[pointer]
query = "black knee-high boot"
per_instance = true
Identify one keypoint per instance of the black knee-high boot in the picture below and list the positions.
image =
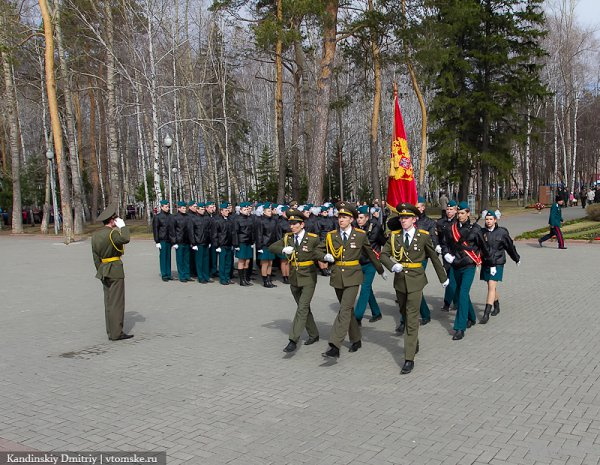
(486, 314)
(496, 308)
(248, 273)
(242, 275)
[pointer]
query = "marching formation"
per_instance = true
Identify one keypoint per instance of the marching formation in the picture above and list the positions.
(347, 244)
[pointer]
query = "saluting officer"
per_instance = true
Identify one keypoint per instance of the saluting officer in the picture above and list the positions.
(343, 248)
(404, 254)
(302, 249)
(161, 228)
(108, 245)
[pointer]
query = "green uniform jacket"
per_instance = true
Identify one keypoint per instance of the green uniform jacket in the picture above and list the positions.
(421, 248)
(342, 274)
(555, 215)
(108, 243)
(308, 251)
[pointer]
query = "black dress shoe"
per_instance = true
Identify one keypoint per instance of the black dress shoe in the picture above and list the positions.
(470, 323)
(425, 321)
(400, 328)
(562, 247)
(166, 279)
(373, 319)
(445, 308)
(540, 242)
(355, 346)
(359, 322)
(458, 335)
(333, 352)
(123, 336)
(407, 367)
(311, 340)
(290, 347)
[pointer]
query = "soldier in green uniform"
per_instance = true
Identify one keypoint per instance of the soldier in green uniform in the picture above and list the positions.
(107, 247)
(343, 248)
(301, 249)
(404, 254)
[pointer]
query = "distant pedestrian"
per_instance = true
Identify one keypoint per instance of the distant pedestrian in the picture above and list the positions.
(443, 203)
(555, 221)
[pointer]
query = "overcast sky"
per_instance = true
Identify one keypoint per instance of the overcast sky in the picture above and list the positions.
(588, 12)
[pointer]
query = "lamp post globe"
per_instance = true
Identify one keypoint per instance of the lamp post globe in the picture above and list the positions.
(50, 154)
(168, 141)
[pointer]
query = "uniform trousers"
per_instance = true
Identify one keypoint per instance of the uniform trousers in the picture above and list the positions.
(424, 310)
(114, 306)
(554, 231)
(409, 309)
(450, 293)
(304, 317)
(164, 257)
(225, 264)
(366, 295)
(212, 260)
(345, 323)
(464, 278)
(202, 264)
(182, 257)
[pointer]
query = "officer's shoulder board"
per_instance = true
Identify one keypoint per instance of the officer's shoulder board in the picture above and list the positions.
(360, 230)
(424, 232)
(311, 234)
(288, 234)
(332, 232)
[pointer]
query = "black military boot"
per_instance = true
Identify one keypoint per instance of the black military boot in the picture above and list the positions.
(242, 277)
(248, 276)
(496, 308)
(271, 282)
(286, 280)
(486, 314)
(266, 282)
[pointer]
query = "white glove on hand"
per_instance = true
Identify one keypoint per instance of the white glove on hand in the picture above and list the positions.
(385, 276)
(519, 263)
(195, 247)
(158, 246)
(397, 268)
(119, 223)
(449, 258)
(438, 248)
(328, 258)
(493, 271)
(288, 250)
(175, 246)
(218, 249)
(445, 283)
(260, 251)
(237, 249)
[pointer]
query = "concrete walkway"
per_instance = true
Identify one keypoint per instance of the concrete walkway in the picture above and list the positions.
(206, 380)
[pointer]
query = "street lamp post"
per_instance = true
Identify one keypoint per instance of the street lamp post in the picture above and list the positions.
(50, 157)
(167, 143)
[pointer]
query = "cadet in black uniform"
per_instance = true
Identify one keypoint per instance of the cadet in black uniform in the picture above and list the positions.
(243, 242)
(267, 233)
(161, 229)
(223, 230)
(181, 231)
(201, 237)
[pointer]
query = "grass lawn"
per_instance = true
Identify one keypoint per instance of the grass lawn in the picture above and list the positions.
(582, 229)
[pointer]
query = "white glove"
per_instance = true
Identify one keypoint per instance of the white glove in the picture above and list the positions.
(218, 249)
(260, 251)
(251, 246)
(288, 250)
(119, 223)
(385, 276)
(328, 258)
(237, 248)
(438, 249)
(158, 246)
(493, 271)
(445, 283)
(195, 247)
(397, 268)
(449, 258)
(175, 246)
(519, 263)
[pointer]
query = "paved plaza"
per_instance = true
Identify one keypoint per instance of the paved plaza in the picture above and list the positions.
(206, 380)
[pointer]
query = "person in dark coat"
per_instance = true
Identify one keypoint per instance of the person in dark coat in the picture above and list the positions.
(555, 220)
(201, 237)
(161, 229)
(444, 226)
(223, 230)
(181, 231)
(268, 232)
(243, 242)
(499, 243)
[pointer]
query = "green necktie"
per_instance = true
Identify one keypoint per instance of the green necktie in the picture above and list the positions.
(406, 242)
(344, 237)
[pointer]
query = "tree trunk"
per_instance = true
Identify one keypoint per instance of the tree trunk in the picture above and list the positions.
(93, 155)
(295, 147)
(73, 152)
(316, 167)
(376, 110)
(279, 107)
(63, 178)
(13, 131)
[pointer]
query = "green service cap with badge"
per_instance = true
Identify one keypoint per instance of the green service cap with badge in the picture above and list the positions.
(209, 203)
(191, 203)
(363, 210)
(294, 214)
(224, 205)
(108, 212)
(407, 209)
(164, 202)
(346, 208)
(421, 199)
(181, 203)
(452, 203)
(463, 205)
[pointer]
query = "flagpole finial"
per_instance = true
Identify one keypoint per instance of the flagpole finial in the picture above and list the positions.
(395, 89)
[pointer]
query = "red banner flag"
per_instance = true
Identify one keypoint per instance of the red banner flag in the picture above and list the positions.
(401, 180)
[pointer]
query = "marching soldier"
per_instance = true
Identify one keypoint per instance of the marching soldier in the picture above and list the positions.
(343, 248)
(444, 225)
(108, 245)
(377, 239)
(404, 254)
(302, 249)
(181, 233)
(161, 228)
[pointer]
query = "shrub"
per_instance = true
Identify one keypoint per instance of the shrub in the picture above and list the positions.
(593, 211)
